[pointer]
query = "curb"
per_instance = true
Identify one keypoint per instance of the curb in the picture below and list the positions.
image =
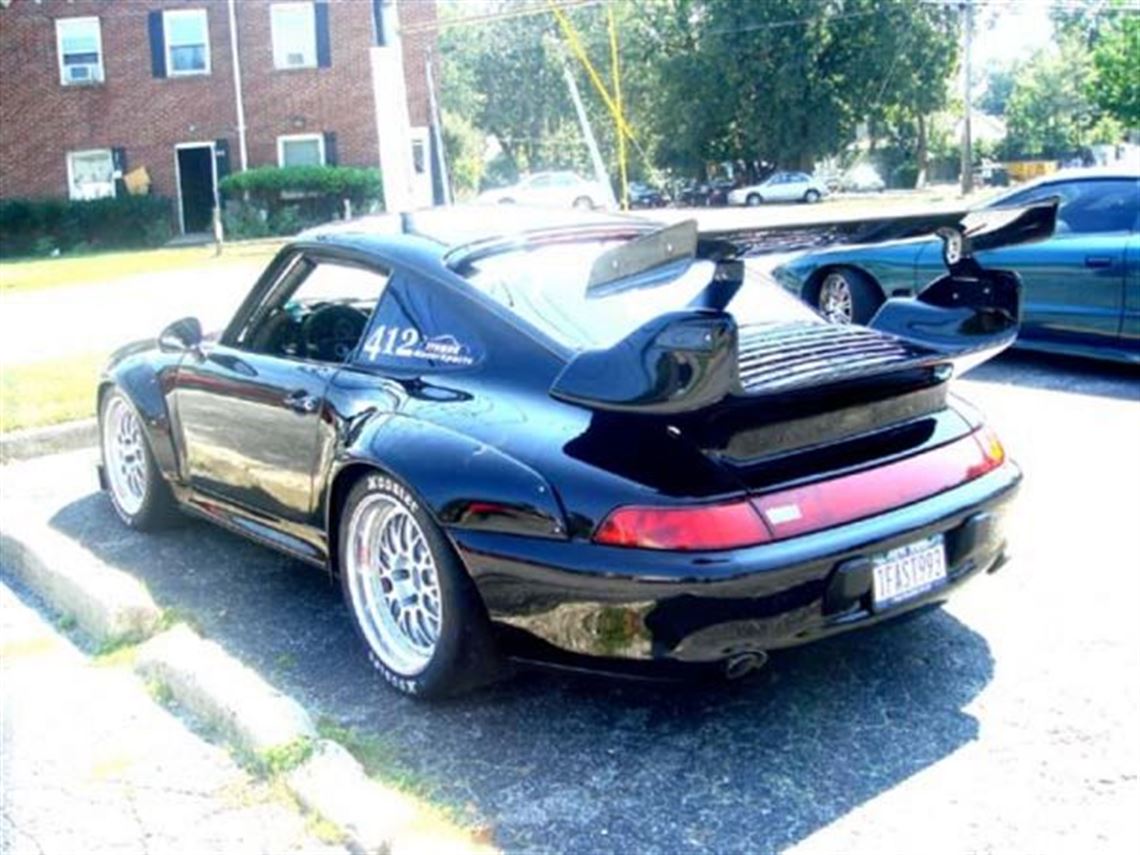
(34, 442)
(220, 690)
(257, 719)
(106, 603)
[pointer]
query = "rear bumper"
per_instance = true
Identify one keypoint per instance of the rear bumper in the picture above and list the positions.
(559, 599)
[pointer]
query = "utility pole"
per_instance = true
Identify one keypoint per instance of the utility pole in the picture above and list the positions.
(967, 8)
(437, 132)
(600, 173)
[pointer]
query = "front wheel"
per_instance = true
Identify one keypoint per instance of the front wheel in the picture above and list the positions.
(584, 203)
(811, 197)
(139, 494)
(411, 601)
(848, 296)
(753, 200)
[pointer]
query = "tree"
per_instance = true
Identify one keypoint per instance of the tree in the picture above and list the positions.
(706, 80)
(1115, 83)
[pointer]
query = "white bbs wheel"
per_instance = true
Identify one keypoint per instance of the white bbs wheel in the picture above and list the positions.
(125, 456)
(411, 600)
(393, 583)
(139, 493)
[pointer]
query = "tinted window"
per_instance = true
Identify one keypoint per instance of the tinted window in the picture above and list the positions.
(421, 326)
(547, 288)
(1104, 205)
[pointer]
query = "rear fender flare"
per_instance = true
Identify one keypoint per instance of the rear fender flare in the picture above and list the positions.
(464, 483)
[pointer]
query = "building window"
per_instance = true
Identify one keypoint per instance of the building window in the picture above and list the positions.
(294, 28)
(80, 51)
(186, 33)
(90, 174)
(301, 150)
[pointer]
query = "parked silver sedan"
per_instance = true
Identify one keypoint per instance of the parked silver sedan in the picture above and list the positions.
(780, 187)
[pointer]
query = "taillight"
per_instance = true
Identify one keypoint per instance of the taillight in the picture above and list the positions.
(808, 508)
(812, 507)
(725, 526)
(993, 451)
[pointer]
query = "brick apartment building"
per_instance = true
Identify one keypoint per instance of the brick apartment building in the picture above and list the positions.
(92, 90)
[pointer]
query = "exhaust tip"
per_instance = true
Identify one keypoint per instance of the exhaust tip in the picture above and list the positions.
(742, 664)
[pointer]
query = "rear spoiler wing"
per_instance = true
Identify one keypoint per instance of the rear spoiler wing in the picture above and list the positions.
(689, 359)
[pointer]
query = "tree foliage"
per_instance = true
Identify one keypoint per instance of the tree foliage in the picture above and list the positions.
(706, 80)
(1115, 82)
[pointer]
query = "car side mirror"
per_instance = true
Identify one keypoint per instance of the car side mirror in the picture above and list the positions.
(181, 336)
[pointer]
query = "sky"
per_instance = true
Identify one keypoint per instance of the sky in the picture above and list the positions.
(1018, 30)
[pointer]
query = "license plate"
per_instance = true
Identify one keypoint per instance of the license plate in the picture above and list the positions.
(908, 571)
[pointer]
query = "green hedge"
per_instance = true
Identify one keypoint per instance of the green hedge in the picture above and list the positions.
(285, 199)
(45, 226)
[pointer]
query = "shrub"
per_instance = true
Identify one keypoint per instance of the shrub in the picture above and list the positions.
(290, 198)
(43, 226)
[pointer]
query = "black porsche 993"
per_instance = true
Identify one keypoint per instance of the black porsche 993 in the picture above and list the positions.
(584, 440)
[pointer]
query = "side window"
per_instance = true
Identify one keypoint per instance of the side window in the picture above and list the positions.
(542, 181)
(294, 30)
(80, 46)
(186, 33)
(317, 311)
(1100, 206)
(421, 326)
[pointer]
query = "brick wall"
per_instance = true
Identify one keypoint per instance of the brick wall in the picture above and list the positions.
(41, 120)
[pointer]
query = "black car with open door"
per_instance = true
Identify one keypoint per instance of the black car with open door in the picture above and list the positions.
(581, 439)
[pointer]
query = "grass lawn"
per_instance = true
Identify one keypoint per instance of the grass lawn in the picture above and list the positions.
(100, 267)
(49, 392)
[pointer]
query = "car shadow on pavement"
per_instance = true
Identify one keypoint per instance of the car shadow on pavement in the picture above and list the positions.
(1061, 374)
(556, 763)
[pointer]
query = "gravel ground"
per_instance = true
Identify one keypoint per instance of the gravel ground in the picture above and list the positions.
(1003, 723)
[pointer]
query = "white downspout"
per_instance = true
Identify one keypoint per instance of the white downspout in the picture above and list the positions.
(242, 152)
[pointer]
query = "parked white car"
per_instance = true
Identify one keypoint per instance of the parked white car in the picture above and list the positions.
(551, 190)
(780, 187)
(863, 178)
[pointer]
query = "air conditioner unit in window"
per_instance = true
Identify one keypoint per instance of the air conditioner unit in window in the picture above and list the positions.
(295, 60)
(83, 73)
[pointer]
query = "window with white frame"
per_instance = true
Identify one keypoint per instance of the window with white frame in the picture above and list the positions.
(80, 50)
(186, 33)
(294, 27)
(90, 174)
(301, 150)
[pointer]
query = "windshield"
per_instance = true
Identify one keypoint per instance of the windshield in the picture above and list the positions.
(546, 287)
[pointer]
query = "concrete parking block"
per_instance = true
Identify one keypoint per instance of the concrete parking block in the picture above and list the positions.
(108, 604)
(220, 690)
(333, 784)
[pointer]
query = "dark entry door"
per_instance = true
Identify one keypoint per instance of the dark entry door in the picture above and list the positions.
(196, 186)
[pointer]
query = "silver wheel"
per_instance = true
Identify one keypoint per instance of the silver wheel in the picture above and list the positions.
(393, 583)
(124, 455)
(835, 301)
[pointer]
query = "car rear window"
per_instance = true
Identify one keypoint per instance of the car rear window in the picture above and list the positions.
(546, 287)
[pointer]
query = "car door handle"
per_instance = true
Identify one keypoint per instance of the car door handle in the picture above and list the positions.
(1098, 261)
(301, 401)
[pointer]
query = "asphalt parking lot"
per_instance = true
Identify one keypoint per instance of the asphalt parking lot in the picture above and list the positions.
(1003, 723)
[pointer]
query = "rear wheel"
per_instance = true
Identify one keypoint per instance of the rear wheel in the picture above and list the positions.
(584, 203)
(848, 296)
(411, 601)
(811, 196)
(139, 494)
(753, 200)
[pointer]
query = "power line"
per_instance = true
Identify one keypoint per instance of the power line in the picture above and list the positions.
(502, 15)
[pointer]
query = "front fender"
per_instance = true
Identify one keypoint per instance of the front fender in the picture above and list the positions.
(464, 482)
(145, 375)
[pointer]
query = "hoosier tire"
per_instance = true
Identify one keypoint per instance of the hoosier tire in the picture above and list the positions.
(411, 601)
